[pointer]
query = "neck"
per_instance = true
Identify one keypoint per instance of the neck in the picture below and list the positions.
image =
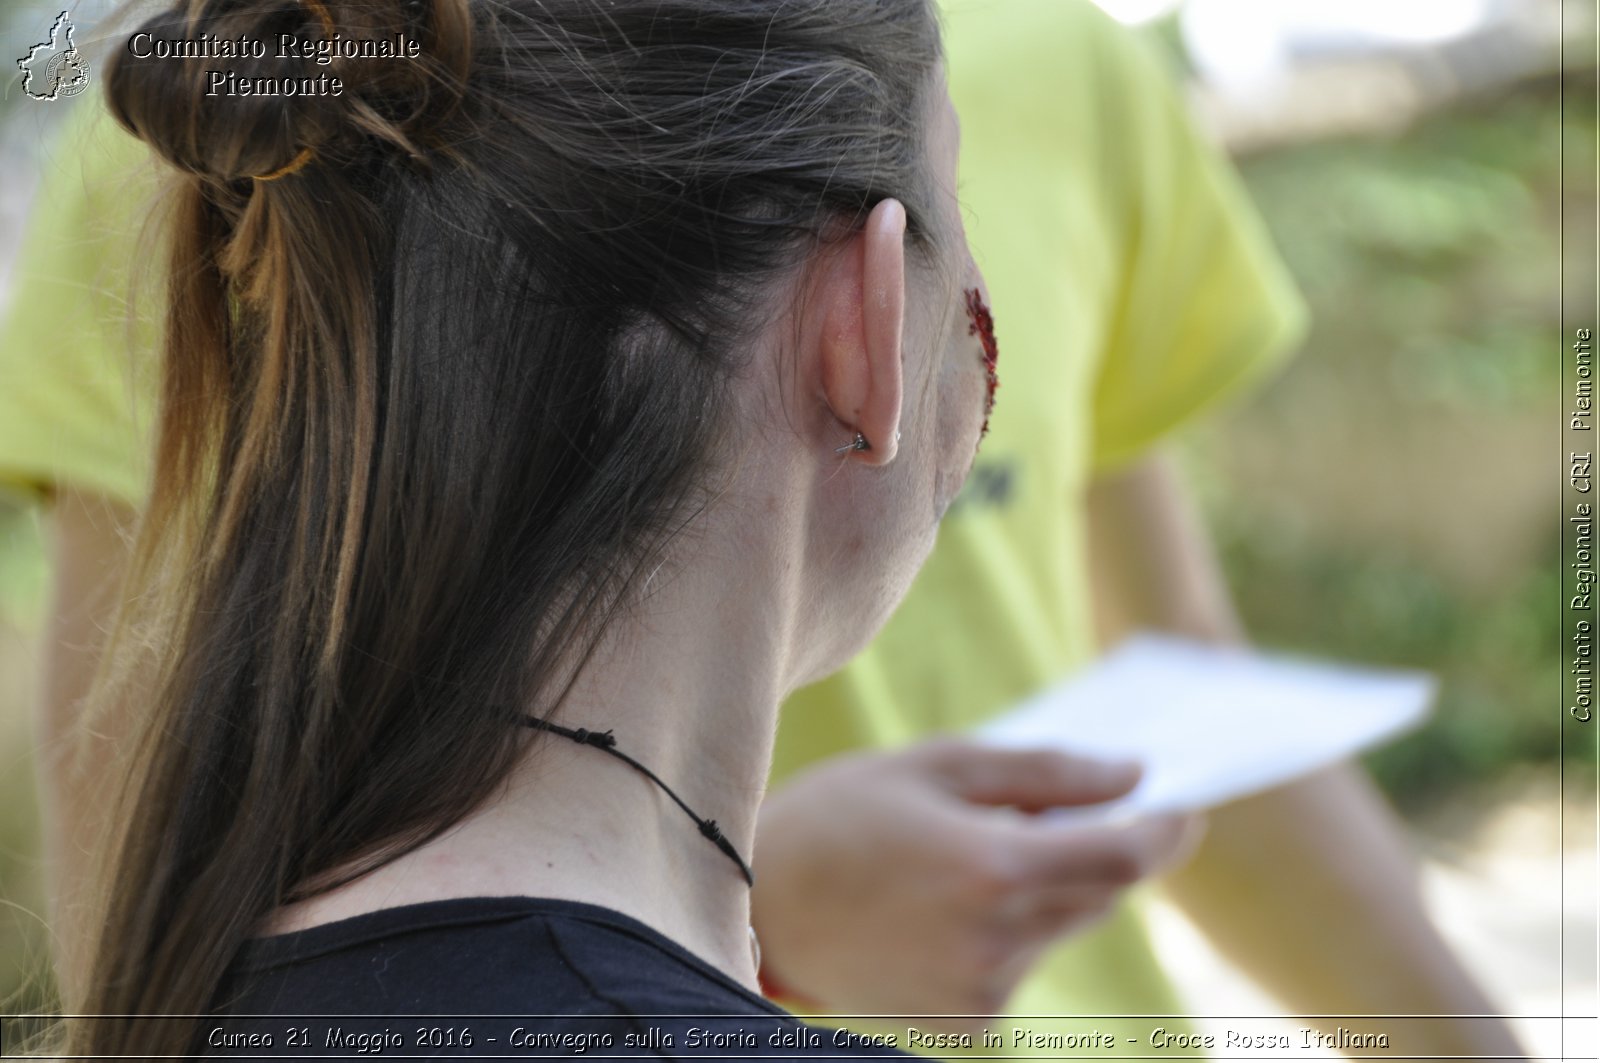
(688, 682)
(607, 743)
(693, 697)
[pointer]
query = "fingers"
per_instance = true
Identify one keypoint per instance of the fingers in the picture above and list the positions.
(1065, 858)
(1070, 878)
(1030, 779)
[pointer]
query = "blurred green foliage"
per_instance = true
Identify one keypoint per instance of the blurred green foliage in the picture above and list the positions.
(1430, 262)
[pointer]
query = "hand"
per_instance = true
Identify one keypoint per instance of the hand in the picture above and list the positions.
(919, 882)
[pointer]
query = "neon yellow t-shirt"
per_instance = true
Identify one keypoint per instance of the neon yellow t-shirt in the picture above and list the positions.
(1132, 285)
(75, 403)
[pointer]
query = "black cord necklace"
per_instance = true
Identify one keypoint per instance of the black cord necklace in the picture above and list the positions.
(603, 740)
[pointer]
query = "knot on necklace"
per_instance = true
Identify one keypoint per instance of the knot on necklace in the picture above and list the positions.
(601, 739)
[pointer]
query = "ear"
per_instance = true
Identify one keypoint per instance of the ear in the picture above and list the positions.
(865, 300)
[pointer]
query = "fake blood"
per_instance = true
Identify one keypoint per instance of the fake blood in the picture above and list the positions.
(983, 327)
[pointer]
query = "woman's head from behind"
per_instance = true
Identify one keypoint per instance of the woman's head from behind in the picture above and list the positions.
(453, 358)
(510, 283)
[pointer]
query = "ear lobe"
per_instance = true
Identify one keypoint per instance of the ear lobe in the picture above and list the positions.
(863, 378)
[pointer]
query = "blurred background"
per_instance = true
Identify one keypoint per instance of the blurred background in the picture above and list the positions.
(1389, 498)
(1394, 496)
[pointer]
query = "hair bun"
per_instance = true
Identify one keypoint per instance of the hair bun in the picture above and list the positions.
(231, 89)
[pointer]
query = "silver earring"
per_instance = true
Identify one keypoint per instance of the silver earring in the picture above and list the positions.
(858, 443)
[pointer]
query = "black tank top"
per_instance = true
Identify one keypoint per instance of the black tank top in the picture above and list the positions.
(513, 977)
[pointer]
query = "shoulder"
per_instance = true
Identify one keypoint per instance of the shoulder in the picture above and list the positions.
(481, 976)
(1058, 93)
(476, 954)
(1041, 43)
(97, 173)
(81, 320)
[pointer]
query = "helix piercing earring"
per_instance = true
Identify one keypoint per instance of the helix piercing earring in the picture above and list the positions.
(858, 443)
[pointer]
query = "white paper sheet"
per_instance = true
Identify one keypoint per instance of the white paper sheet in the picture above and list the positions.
(1212, 724)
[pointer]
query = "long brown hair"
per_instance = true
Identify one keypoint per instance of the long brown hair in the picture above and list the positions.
(444, 357)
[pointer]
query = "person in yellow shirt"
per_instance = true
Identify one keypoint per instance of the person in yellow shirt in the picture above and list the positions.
(1133, 287)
